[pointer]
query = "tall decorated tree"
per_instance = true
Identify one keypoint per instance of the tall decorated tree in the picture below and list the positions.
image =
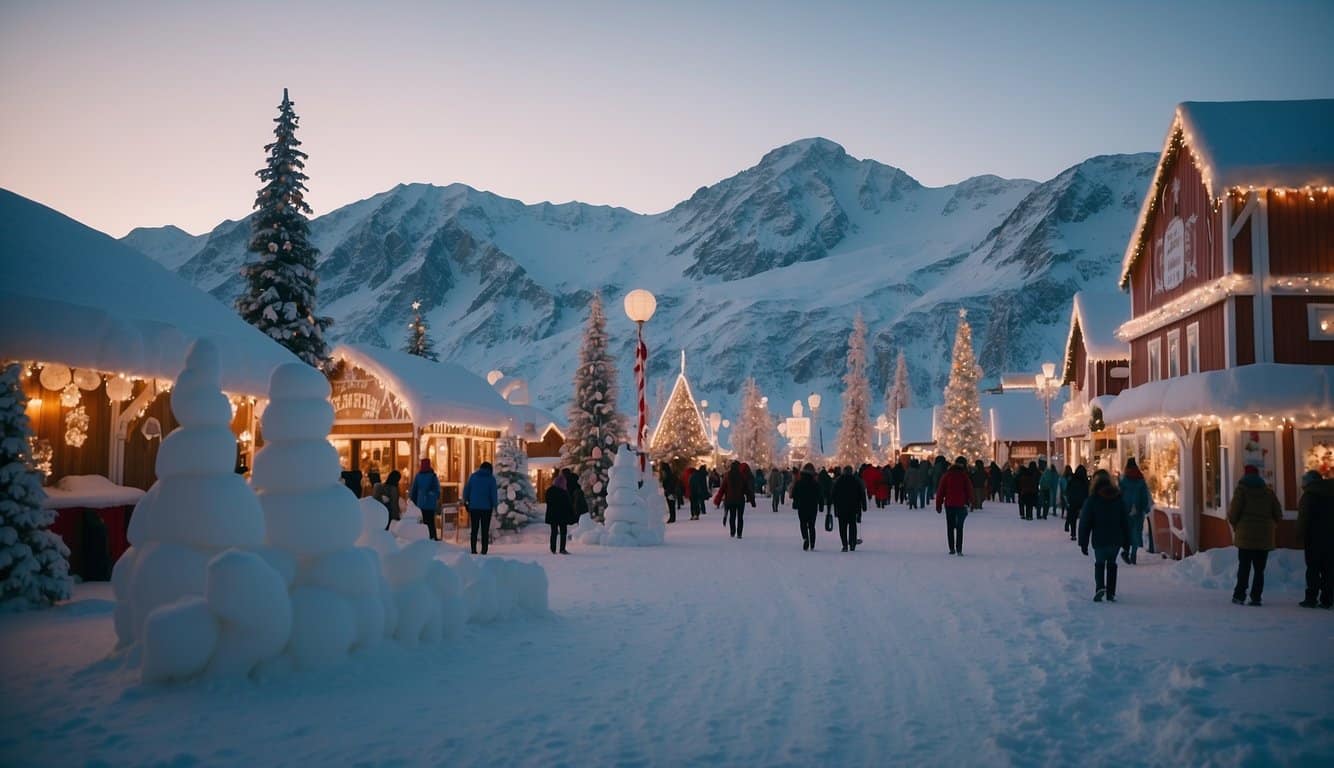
(279, 297)
(518, 498)
(595, 425)
(419, 338)
(961, 432)
(899, 395)
(680, 436)
(854, 435)
(752, 435)
(34, 570)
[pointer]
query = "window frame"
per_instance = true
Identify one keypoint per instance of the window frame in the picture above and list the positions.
(1154, 349)
(1174, 353)
(1193, 348)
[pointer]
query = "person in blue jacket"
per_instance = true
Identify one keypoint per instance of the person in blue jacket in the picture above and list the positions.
(1138, 505)
(1103, 522)
(479, 496)
(425, 493)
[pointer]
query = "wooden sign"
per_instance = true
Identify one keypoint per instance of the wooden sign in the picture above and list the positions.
(358, 396)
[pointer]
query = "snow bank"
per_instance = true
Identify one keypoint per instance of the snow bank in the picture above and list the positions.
(1217, 569)
(89, 491)
(635, 517)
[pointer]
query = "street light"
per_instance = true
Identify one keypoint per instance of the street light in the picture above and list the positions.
(814, 401)
(715, 421)
(881, 424)
(639, 307)
(1046, 387)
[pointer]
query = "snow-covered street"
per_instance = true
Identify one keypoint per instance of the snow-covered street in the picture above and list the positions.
(711, 650)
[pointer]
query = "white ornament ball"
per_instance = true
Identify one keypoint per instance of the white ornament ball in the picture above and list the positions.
(86, 380)
(119, 390)
(54, 377)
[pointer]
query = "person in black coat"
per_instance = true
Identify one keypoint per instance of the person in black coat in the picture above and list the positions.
(849, 502)
(560, 512)
(670, 489)
(699, 492)
(806, 496)
(1105, 522)
(1076, 493)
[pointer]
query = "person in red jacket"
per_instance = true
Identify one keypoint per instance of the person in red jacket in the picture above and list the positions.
(955, 493)
(737, 490)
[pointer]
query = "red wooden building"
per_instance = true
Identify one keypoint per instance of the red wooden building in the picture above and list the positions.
(1096, 368)
(1230, 271)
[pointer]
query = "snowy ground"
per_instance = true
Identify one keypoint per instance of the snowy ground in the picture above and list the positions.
(711, 650)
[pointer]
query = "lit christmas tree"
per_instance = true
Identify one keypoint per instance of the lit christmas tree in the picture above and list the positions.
(681, 436)
(595, 425)
(854, 435)
(34, 570)
(279, 298)
(518, 498)
(961, 432)
(899, 395)
(752, 435)
(419, 340)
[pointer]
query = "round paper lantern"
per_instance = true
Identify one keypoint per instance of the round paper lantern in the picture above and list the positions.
(55, 377)
(86, 380)
(119, 390)
(640, 305)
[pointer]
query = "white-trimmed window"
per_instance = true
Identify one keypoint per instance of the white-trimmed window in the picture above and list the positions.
(1174, 353)
(1320, 321)
(1193, 348)
(1155, 359)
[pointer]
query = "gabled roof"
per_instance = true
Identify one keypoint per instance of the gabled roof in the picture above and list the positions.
(1286, 144)
(430, 391)
(1096, 315)
(72, 295)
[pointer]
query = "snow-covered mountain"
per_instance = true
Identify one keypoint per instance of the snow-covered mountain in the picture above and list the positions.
(759, 274)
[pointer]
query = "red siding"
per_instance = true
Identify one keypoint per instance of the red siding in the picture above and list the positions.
(1241, 249)
(1214, 533)
(1292, 337)
(1211, 344)
(1245, 334)
(1301, 234)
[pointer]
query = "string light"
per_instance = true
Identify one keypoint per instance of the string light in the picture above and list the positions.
(1187, 304)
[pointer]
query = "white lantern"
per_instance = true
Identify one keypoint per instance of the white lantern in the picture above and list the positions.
(118, 389)
(640, 305)
(1049, 370)
(55, 377)
(797, 409)
(493, 377)
(814, 401)
(86, 380)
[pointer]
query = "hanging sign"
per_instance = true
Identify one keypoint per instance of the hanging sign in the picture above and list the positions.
(358, 396)
(1174, 253)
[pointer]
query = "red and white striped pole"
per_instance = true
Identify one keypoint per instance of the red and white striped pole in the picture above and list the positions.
(641, 360)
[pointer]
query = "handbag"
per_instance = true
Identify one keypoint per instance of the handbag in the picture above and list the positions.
(828, 521)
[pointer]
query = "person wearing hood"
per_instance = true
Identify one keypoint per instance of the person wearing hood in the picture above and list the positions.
(1047, 489)
(425, 494)
(806, 496)
(479, 497)
(578, 501)
(387, 493)
(955, 493)
(849, 497)
(1254, 515)
(560, 512)
(736, 491)
(1315, 530)
(1103, 522)
(1076, 493)
(1135, 491)
(699, 492)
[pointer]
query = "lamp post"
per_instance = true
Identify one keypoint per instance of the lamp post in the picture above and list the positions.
(1047, 386)
(881, 424)
(715, 421)
(639, 307)
(814, 402)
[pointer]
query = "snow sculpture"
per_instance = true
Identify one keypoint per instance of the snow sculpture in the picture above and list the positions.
(633, 518)
(336, 599)
(198, 509)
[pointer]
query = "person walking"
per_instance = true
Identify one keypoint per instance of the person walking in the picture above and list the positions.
(849, 499)
(560, 513)
(1047, 483)
(425, 494)
(1076, 493)
(806, 496)
(578, 501)
(479, 497)
(667, 479)
(1253, 514)
(1007, 484)
(1026, 483)
(1062, 484)
(1103, 523)
(776, 488)
(994, 482)
(955, 494)
(979, 480)
(737, 491)
(826, 489)
(699, 492)
(1315, 531)
(1135, 490)
(913, 480)
(387, 493)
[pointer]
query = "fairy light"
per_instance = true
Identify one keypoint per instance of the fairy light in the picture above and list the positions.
(1187, 304)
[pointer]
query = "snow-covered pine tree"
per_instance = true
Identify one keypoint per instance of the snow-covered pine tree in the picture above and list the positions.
(752, 435)
(899, 394)
(961, 432)
(595, 425)
(854, 435)
(279, 298)
(34, 566)
(419, 339)
(518, 498)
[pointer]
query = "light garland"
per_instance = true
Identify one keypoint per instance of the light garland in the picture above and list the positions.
(1301, 283)
(1187, 304)
(76, 427)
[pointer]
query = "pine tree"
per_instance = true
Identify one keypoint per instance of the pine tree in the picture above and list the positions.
(899, 395)
(279, 298)
(961, 432)
(595, 425)
(854, 435)
(419, 340)
(518, 498)
(752, 435)
(34, 570)
(680, 435)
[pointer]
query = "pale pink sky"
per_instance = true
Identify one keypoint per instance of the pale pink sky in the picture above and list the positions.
(150, 113)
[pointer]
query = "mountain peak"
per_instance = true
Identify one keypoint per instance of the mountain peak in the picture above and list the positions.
(815, 147)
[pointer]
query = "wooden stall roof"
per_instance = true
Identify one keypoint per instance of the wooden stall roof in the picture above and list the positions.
(430, 391)
(74, 296)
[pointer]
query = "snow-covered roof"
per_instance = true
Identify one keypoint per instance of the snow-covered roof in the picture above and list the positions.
(1077, 422)
(1245, 144)
(1017, 416)
(916, 426)
(1304, 393)
(532, 423)
(1017, 381)
(1097, 314)
(430, 391)
(72, 295)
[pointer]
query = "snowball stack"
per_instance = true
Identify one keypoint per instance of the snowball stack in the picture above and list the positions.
(629, 519)
(336, 595)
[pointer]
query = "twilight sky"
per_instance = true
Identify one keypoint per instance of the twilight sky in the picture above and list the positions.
(150, 113)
